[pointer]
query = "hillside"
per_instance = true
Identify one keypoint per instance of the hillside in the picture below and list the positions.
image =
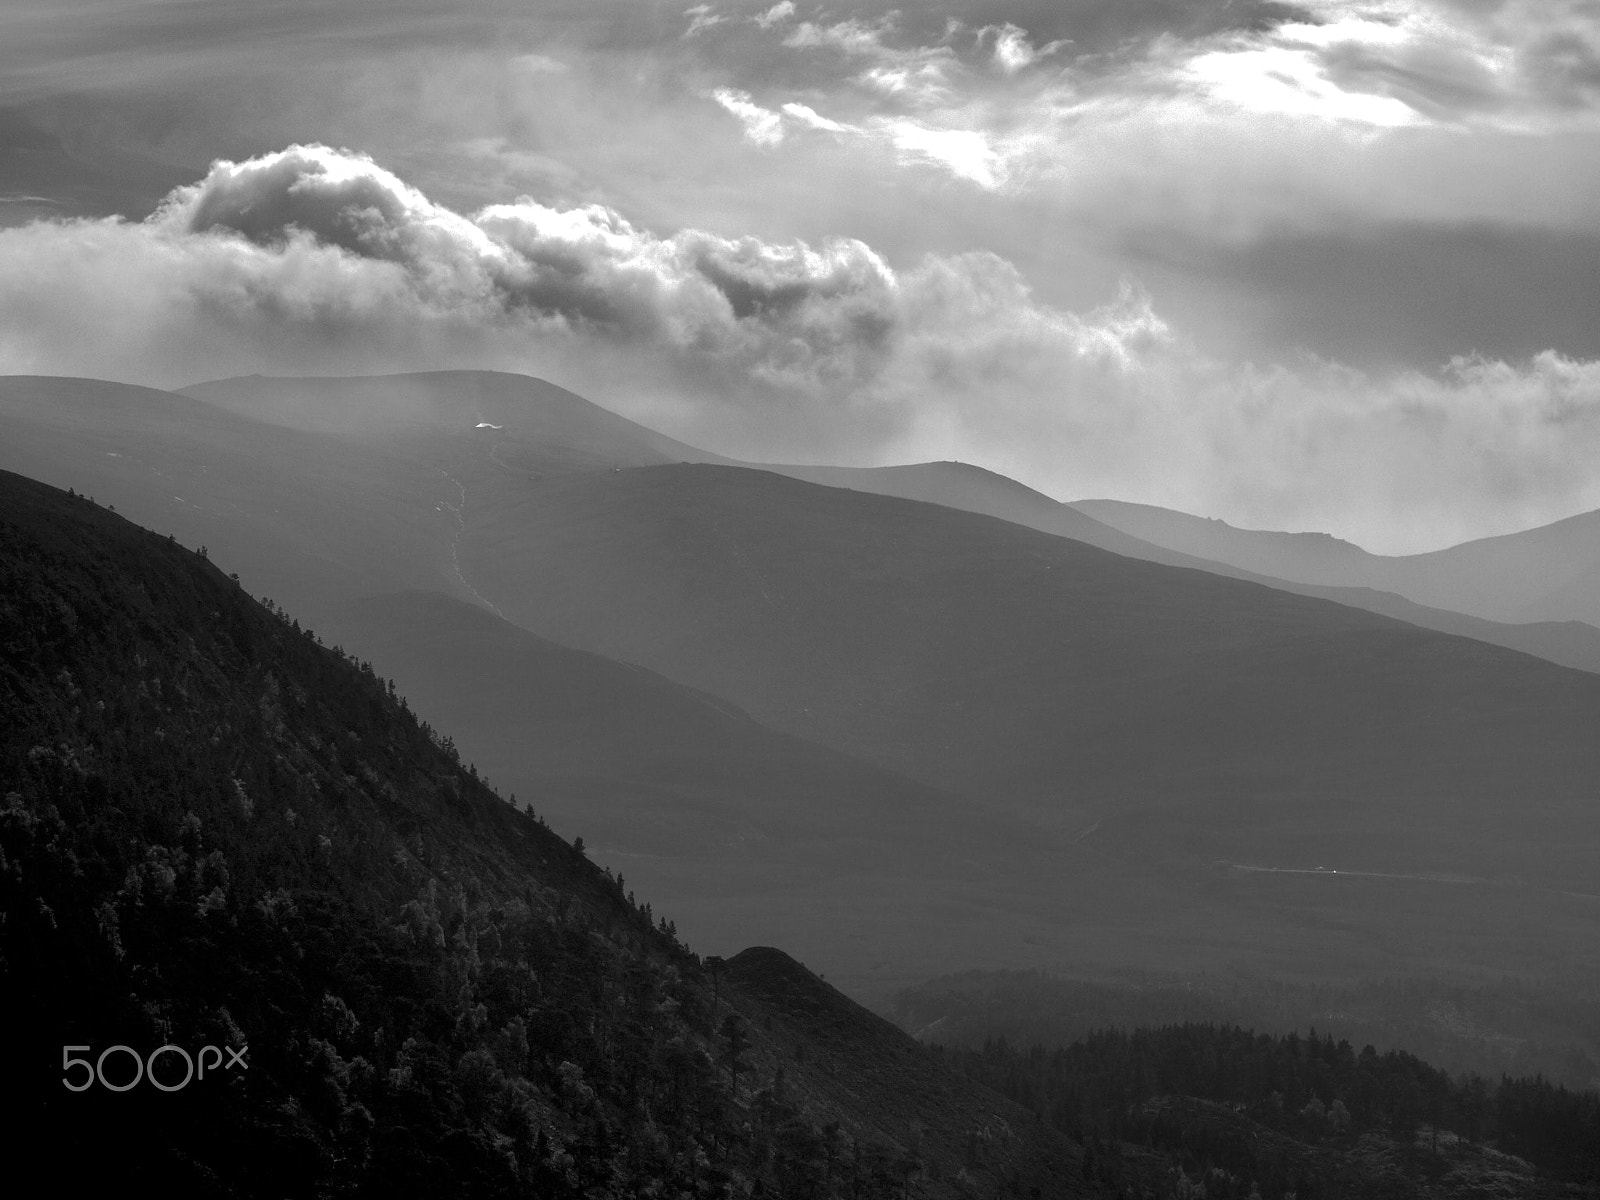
(747, 834)
(474, 429)
(1308, 564)
(1149, 763)
(540, 427)
(308, 519)
(1302, 557)
(1173, 1111)
(1036, 670)
(1548, 574)
(1494, 1027)
(218, 832)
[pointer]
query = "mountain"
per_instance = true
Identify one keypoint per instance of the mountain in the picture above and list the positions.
(534, 425)
(1153, 721)
(993, 658)
(217, 832)
(1301, 557)
(1307, 564)
(308, 519)
(1493, 1027)
(471, 430)
(1127, 743)
(221, 838)
(746, 833)
(1548, 574)
(974, 489)
(1193, 1108)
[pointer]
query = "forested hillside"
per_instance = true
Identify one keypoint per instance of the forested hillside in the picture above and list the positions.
(1488, 1027)
(217, 832)
(264, 934)
(1245, 1114)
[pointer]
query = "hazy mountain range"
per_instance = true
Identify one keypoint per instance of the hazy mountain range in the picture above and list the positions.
(926, 720)
(1547, 574)
(219, 834)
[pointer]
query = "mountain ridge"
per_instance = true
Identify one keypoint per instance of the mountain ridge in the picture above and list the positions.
(217, 831)
(1506, 577)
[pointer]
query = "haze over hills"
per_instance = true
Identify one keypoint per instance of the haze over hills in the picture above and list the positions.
(541, 426)
(217, 832)
(311, 520)
(1035, 668)
(534, 426)
(749, 834)
(1135, 725)
(219, 835)
(1547, 574)
(1307, 564)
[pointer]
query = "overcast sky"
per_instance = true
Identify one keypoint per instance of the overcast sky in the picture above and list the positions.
(1329, 265)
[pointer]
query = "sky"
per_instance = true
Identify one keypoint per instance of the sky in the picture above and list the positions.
(1329, 265)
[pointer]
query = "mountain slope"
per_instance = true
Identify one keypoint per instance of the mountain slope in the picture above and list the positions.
(1523, 591)
(745, 834)
(969, 650)
(541, 427)
(1302, 557)
(1306, 564)
(1547, 574)
(306, 519)
(217, 832)
(1133, 724)
(1154, 721)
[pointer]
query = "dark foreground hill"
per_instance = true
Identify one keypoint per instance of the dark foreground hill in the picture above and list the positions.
(216, 832)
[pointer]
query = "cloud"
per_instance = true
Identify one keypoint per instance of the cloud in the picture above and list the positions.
(781, 11)
(921, 75)
(761, 125)
(1013, 51)
(317, 260)
(701, 17)
(1517, 64)
(815, 120)
(965, 153)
